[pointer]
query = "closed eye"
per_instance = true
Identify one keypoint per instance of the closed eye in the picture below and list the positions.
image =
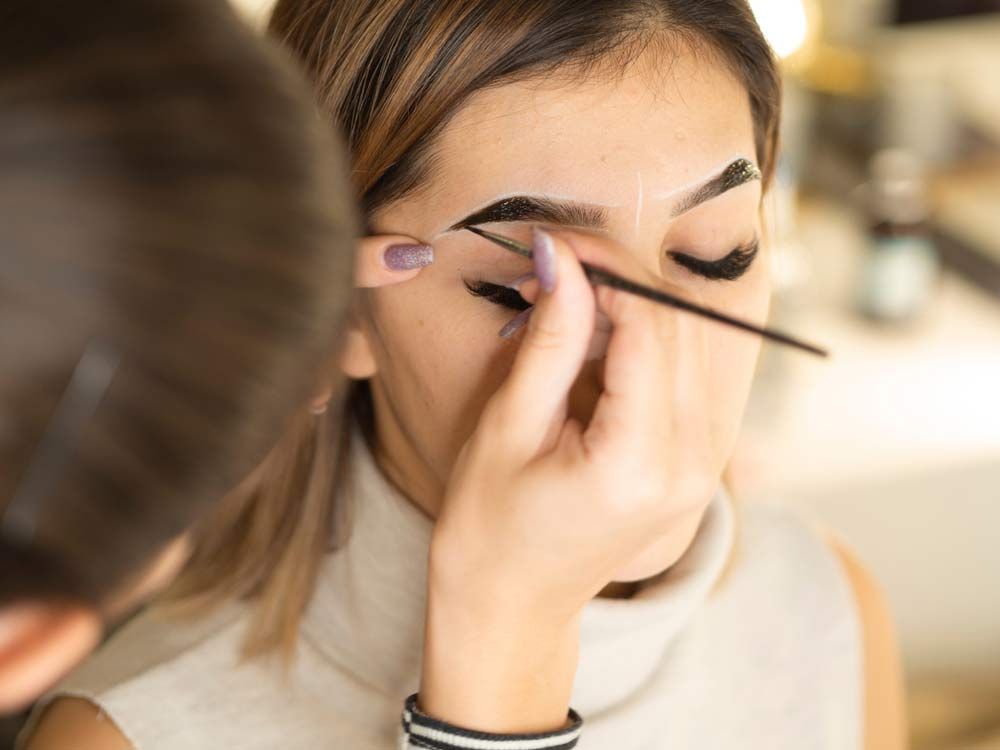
(497, 294)
(729, 268)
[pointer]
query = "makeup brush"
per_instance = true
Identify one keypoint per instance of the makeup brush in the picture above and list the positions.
(598, 276)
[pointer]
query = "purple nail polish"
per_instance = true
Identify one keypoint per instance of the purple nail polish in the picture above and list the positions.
(516, 283)
(544, 255)
(516, 323)
(408, 257)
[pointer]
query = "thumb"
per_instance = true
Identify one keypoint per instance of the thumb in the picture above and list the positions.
(532, 399)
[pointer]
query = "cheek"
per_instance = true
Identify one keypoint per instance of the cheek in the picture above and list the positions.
(438, 363)
(734, 353)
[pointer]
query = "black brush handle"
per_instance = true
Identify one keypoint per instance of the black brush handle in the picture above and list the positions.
(599, 276)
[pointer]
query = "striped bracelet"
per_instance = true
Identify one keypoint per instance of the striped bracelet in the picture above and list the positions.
(423, 731)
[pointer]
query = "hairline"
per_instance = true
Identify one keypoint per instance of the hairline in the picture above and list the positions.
(613, 65)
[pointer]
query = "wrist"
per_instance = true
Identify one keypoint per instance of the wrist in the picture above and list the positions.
(473, 588)
(497, 669)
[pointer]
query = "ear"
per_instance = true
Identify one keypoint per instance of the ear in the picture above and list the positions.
(379, 260)
(355, 359)
(357, 356)
(40, 641)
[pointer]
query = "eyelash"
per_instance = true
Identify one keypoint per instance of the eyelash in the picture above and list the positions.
(729, 268)
(497, 294)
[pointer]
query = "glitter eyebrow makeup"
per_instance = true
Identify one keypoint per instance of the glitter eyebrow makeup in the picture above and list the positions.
(736, 174)
(590, 216)
(525, 208)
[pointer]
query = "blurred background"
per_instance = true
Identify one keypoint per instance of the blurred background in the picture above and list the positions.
(887, 231)
(886, 226)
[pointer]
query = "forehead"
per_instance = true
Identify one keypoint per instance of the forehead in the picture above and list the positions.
(664, 121)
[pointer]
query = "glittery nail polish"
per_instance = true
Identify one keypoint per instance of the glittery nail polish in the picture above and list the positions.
(408, 257)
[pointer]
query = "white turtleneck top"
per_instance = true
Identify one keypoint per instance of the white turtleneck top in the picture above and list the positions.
(759, 651)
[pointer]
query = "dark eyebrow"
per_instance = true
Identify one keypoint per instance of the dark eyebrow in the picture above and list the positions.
(526, 208)
(740, 172)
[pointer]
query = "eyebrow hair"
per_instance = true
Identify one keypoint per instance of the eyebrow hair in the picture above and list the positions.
(527, 208)
(740, 172)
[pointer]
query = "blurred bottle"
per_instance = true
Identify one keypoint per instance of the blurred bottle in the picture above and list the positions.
(900, 270)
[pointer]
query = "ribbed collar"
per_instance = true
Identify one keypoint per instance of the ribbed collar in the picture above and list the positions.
(367, 614)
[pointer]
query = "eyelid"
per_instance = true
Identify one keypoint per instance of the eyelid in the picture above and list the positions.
(707, 248)
(730, 267)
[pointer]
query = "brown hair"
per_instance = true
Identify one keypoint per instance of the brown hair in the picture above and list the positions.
(391, 73)
(170, 193)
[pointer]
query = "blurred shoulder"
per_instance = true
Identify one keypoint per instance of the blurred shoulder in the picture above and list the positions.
(75, 722)
(131, 677)
(885, 712)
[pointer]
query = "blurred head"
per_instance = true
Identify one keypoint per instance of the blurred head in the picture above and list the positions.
(610, 112)
(176, 266)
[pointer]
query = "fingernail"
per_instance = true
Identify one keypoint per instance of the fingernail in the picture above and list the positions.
(516, 283)
(544, 255)
(516, 323)
(408, 257)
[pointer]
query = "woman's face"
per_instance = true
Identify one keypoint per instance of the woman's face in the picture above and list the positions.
(628, 150)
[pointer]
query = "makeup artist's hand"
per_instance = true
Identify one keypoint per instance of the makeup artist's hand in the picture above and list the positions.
(541, 511)
(389, 259)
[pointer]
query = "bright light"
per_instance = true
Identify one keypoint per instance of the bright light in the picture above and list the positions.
(255, 11)
(784, 23)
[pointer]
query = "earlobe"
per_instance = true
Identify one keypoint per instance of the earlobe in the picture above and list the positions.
(39, 643)
(357, 360)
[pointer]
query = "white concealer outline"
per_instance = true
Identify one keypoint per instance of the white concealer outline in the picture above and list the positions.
(704, 178)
